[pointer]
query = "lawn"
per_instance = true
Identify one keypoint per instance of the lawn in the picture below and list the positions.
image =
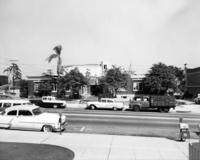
(29, 151)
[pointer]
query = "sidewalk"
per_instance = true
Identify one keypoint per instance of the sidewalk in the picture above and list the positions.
(105, 147)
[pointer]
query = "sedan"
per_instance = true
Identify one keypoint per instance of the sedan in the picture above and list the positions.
(30, 117)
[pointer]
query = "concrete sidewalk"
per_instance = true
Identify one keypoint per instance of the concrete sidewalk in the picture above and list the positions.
(105, 147)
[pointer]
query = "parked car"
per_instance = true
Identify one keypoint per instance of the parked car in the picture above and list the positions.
(30, 117)
(2, 96)
(5, 103)
(49, 102)
(105, 103)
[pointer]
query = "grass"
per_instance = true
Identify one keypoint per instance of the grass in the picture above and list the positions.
(29, 151)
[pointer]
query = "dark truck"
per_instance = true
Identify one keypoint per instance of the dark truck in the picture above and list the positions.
(154, 102)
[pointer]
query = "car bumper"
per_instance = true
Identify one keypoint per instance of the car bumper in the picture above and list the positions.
(60, 128)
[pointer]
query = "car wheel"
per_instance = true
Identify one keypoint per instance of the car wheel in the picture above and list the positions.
(92, 107)
(55, 106)
(115, 108)
(163, 110)
(136, 108)
(47, 128)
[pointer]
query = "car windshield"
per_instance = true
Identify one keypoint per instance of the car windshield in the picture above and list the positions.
(37, 111)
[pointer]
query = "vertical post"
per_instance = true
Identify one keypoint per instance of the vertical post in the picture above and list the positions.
(186, 77)
(60, 121)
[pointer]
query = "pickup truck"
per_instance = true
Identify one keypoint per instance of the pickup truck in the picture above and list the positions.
(105, 103)
(159, 102)
(48, 101)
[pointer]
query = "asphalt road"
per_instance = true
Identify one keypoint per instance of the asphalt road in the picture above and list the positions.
(130, 123)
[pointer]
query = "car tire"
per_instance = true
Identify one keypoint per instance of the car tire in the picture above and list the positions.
(93, 107)
(55, 106)
(163, 110)
(47, 128)
(136, 108)
(115, 108)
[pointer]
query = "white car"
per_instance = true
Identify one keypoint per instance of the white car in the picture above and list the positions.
(30, 117)
(6, 103)
(106, 103)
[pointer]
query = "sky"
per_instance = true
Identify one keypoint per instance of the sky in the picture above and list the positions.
(139, 33)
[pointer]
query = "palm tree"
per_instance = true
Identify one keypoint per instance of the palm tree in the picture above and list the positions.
(16, 72)
(57, 53)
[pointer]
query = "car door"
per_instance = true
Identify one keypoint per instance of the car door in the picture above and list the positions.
(109, 104)
(145, 102)
(7, 119)
(24, 120)
(103, 103)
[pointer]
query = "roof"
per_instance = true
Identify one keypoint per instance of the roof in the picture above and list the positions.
(25, 107)
(14, 100)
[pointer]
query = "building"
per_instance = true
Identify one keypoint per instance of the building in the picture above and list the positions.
(34, 81)
(137, 82)
(192, 81)
(4, 86)
(93, 72)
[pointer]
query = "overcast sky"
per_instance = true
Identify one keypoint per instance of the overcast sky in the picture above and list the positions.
(121, 32)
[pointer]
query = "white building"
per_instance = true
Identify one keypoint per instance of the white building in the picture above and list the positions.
(93, 72)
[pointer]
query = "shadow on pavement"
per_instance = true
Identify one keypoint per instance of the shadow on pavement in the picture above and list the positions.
(29, 151)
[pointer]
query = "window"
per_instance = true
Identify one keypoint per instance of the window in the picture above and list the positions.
(0, 105)
(6, 105)
(16, 104)
(12, 113)
(25, 113)
(103, 100)
(138, 98)
(36, 111)
(110, 101)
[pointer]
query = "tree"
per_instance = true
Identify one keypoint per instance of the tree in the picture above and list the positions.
(159, 79)
(73, 81)
(44, 88)
(180, 78)
(114, 79)
(15, 71)
(57, 54)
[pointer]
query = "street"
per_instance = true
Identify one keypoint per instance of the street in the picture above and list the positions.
(129, 123)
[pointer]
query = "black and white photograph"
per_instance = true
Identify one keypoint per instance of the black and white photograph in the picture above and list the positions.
(99, 80)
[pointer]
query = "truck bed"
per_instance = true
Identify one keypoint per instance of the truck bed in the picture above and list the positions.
(162, 101)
